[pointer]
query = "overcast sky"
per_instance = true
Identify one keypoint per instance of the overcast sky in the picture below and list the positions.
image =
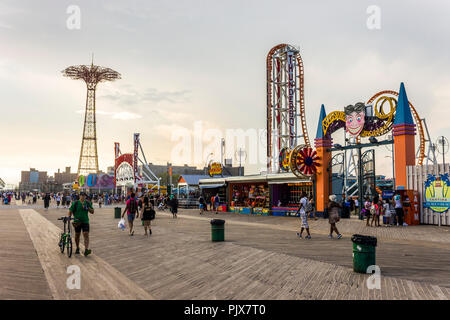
(183, 61)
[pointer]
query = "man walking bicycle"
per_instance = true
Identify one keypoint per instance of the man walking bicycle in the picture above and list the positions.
(79, 210)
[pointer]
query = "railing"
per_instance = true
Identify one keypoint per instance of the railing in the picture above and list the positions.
(188, 203)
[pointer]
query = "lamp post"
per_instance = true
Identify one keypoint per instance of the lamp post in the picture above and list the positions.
(239, 153)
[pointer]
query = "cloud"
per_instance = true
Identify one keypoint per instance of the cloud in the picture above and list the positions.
(123, 115)
(130, 96)
(5, 26)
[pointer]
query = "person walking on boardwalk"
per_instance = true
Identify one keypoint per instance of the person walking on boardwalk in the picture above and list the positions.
(375, 211)
(211, 205)
(100, 201)
(303, 216)
(367, 210)
(79, 210)
(174, 205)
(58, 200)
(310, 208)
(131, 209)
(387, 212)
(202, 204)
(216, 203)
(147, 215)
(333, 218)
(46, 201)
(399, 209)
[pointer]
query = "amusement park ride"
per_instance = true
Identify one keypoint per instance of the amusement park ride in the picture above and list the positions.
(287, 150)
(126, 173)
(92, 75)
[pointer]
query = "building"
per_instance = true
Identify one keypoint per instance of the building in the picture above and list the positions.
(32, 180)
(110, 170)
(276, 194)
(65, 177)
(2, 184)
(162, 170)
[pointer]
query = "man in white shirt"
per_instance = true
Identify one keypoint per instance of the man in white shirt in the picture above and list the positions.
(302, 210)
(399, 209)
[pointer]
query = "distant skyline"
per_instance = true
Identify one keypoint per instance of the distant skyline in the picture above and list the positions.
(190, 61)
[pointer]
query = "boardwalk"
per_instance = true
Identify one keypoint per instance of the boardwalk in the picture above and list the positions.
(260, 259)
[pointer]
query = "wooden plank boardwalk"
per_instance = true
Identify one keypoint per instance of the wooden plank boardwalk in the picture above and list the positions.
(98, 279)
(260, 259)
(21, 274)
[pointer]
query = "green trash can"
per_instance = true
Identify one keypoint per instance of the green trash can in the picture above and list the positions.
(363, 252)
(217, 230)
(117, 213)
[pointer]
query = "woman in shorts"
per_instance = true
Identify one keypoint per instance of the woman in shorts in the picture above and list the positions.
(148, 214)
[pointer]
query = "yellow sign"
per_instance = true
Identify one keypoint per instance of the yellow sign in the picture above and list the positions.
(437, 195)
(329, 119)
(215, 168)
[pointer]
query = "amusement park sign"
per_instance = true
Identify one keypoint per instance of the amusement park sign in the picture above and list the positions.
(101, 181)
(437, 195)
(290, 65)
(357, 123)
(215, 168)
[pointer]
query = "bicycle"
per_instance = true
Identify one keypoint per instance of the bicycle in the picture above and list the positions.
(65, 239)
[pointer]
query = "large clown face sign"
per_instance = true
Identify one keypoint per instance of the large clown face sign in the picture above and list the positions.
(355, 118)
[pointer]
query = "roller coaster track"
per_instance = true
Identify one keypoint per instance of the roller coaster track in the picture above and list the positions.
(269, 99)
(416, 119)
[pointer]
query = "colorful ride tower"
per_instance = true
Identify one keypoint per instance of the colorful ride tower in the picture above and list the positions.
(404, 131)
(322, 143)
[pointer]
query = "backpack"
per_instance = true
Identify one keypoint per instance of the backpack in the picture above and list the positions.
(308, 207)
(373, 209)
(152, 214)
(133, 206)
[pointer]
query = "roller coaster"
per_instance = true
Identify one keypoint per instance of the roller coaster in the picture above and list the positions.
(285, 102)
(286, 108)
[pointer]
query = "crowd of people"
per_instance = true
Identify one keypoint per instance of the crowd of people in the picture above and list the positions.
(144, 205)
(213, 203)
(392, 210)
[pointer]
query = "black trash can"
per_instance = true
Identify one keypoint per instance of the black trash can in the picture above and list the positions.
(217, 230)
(363, 252)
(117, 213)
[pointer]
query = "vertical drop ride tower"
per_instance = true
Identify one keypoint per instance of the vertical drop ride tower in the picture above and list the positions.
(91, 75)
